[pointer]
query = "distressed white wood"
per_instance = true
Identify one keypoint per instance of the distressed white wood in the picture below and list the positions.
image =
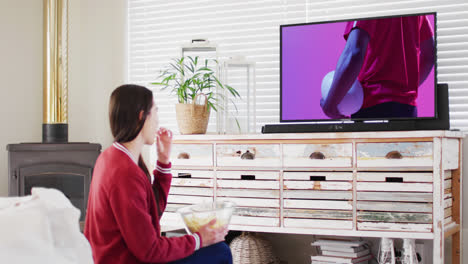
(200, 154)
(188, 199)
(317, 185)
(257, 211)
(414, 154)
(394, 186)
(447, 212)
(318, 214)
(322, 195)
(447, 174)
(316, 223)
(337, 162)
(448, 195)
(448, 184)
(202, 174)
(369, 216)
(448, 220)
(252, 202)
(395, 207)
(423, 163)
(173, 207)
(329, 176)
(248, 184)
(332, 232)
(254, 221)
(406, 227)
(254, 193)
(172, 219)
(395, 196)
(259, 175)
(448, 203)
(287, 137)
(191, 191)
(336, 155)
(258, 162)
(318, 204)
(438, 213)
(451, 155)
(192, 182)
(405, 176)
(265, 155)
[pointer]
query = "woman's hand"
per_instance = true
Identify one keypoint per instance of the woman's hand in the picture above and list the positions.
(210, 235)
(164, 145)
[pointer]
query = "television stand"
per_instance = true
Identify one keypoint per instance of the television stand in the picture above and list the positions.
(360, 184)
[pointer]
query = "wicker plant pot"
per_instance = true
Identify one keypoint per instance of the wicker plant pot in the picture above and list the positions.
(251, 248)
(193, 118)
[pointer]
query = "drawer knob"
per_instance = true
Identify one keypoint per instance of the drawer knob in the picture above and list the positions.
(248, 155)
(184, 175)
(317, 155)
(248, 177)
(183, 155)
(393, 179)
(318, 178)
(394, 155)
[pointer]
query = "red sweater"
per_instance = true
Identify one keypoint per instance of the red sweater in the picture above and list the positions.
(122, 222)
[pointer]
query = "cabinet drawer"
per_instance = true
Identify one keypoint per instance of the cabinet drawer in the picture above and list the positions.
(314, 198)
(192, 178)
(402, 177)
(395, 155)
(394, 201)
(255, 193)
(190, 187)
(317, 155)
(318, 181)
(394, 182)
(236, 155)
(192, 183)
(192, 155)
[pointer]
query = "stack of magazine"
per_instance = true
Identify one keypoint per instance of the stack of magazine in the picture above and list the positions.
(342, 251)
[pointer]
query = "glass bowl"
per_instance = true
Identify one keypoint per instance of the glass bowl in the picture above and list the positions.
(195, 216)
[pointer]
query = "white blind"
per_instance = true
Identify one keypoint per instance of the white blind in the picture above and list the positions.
(250, 28)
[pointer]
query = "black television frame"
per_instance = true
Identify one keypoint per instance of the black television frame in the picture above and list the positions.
(357, 124)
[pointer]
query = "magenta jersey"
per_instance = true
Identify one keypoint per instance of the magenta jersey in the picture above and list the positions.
(390, 72)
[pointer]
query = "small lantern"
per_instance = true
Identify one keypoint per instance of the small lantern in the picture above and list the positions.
(238, 115)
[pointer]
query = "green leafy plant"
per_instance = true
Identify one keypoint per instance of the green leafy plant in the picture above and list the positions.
(189, 76)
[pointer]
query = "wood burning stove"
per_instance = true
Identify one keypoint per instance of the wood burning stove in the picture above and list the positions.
(67, 167)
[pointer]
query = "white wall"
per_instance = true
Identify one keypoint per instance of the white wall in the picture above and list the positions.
(21, 77)
(97, 66)
(96, 62)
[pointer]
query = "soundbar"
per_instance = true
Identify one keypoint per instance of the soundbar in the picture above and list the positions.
(441, 122)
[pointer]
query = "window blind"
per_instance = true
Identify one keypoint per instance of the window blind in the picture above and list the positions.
(158, 29)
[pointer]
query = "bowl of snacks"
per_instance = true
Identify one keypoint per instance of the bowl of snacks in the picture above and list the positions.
(198, 215)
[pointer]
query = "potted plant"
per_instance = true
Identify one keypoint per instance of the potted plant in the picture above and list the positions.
(189, 78)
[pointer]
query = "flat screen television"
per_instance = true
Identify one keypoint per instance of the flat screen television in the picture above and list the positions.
(366, 70)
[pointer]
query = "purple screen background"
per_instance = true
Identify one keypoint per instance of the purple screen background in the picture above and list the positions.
(311, 51)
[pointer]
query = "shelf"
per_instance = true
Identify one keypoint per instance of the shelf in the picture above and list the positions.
(332, 232)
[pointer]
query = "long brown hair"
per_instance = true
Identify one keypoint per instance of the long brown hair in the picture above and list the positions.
(126, 103)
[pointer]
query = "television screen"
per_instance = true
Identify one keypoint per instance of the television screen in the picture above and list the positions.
(365, 69)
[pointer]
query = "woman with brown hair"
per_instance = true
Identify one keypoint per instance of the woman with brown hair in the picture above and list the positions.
(124, 207)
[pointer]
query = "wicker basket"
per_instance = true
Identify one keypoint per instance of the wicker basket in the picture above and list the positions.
(193, 118)
(251, 248)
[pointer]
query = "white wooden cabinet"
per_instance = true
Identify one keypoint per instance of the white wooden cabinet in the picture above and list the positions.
(368, 184)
